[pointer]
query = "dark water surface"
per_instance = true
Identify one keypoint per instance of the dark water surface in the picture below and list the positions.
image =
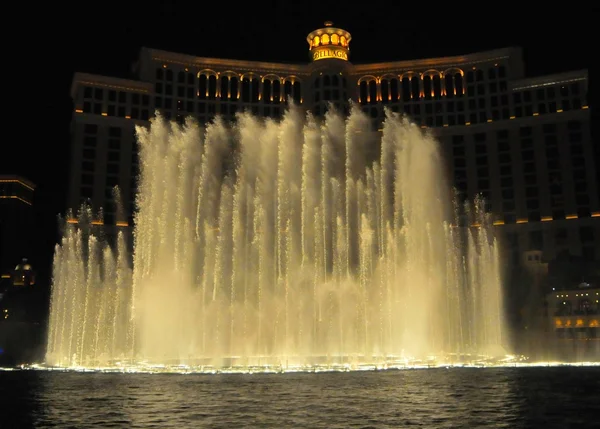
(563, 397)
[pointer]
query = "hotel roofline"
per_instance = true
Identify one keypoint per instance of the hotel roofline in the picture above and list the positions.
(110, 82)
(147, 87)
(549, 79)
(447, 62)
(264, 66)
(191, 60)
(13, 178)
(247, 66)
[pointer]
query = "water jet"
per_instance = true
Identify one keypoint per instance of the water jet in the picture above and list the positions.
(280, 244)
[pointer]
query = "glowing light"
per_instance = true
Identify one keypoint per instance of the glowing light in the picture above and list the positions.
(329, 53)
(248, 254)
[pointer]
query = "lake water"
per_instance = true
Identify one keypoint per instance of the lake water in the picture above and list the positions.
(547, 397)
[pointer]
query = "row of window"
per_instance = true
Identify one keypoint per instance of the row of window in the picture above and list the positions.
(95, 94)
(575, 163)
(415, 89)
(434, 114)
(230, 88)
(121, 111)
(505, 151)
(494, 73)
(559, 237)
(111, 168)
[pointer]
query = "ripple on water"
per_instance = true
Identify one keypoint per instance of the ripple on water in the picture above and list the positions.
(510, 398)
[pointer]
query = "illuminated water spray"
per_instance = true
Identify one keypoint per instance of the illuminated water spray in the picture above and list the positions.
(270, 243)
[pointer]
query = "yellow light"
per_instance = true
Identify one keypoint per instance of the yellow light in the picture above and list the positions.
(584, 107)
(512, 117)
(14, 197)
(78, 111)
(104, 114)
(559, 110)
(546, 218)
(25, 185)
(489, 120)
(572, 216)
(122, 223)
(536, 114)
(323, 53)
(522, 221)
(127, 117)
(467, 123)
(498, 222)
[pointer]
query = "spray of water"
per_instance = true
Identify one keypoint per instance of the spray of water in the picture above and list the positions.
(270, 243)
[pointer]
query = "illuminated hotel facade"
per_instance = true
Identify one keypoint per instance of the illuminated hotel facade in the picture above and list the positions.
(17, 222)
(574, 323)
(524, 143)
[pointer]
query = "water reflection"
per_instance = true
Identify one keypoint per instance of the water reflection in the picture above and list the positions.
(440, 398)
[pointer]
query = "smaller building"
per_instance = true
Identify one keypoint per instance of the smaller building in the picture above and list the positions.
(22, 314)
(17, 222)
(23, 274)
(574, 322)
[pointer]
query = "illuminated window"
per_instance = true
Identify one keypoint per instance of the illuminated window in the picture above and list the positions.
(325, 39)
(343, 40)
(316, 41)
(335, 39)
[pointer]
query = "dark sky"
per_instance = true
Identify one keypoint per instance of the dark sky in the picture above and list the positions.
(104, 38)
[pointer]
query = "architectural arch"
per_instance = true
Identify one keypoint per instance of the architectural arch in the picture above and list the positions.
(432, 84)
(292, 88)
(250, 86)
(432, 72)
(454, 82)
(229, 85)
(271, 88)
(207, 72)
(389, 84)
(410, 85)
(367, 89)
(367, 78)
(208, 87)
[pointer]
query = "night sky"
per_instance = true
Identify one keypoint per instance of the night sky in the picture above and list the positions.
(107, 41)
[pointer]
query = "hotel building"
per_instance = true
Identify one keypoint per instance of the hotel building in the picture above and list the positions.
(522, 142)
(16, 223)
(574, 323)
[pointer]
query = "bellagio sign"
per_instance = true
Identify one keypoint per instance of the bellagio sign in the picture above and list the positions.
(326, 53)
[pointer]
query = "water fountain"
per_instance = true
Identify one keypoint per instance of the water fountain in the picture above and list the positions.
(279, 244)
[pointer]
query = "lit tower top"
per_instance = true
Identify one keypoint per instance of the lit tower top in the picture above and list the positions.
(329, 43)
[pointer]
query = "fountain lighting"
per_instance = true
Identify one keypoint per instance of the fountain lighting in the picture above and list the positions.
(291, 245)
